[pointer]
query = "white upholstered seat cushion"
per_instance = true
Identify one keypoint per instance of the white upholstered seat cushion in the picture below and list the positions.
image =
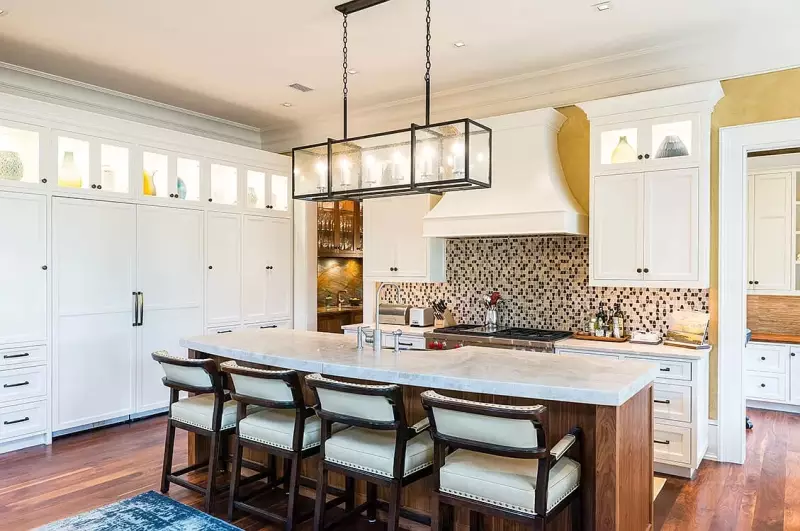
(275, 427)
(199, 410)
(373, 450)
(505, 481)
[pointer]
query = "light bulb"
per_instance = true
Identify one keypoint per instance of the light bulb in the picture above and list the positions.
(457, 148)
(370, 160)
(480, 157)
(397, 157)
(321, 167)
(345, 163)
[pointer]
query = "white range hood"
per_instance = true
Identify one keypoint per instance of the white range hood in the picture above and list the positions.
(528, 195)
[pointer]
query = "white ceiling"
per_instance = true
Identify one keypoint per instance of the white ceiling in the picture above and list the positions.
(234, 60)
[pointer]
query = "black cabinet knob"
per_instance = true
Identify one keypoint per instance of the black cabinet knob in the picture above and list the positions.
(763, 385)
(647, 155)
(640, 157)
(44, 267)
(44, 181)
(99, 186)
(94, 186)
(210, 200)
(751, 282)
(756, 282)
(646, 270)
(638, 269)
(211, 267)
(793, 354)
(763, 358)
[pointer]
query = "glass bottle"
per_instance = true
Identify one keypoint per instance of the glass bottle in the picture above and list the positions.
(602, 321)
(618, 322)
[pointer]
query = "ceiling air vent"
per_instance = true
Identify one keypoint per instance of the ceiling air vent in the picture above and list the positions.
(301, 88)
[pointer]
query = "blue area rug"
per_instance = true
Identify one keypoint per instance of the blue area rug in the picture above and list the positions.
(146, 512)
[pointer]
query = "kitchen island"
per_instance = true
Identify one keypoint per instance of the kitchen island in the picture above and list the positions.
(611, 400)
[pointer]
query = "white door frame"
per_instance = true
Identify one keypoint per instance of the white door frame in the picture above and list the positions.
(734, 144)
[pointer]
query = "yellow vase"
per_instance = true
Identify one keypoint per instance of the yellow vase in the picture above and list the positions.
(148, 186)
(623, 153)
(69, 175)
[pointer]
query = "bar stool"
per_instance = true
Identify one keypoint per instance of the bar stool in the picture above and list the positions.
(206, 414)
(379, 447)
(494, 459)
(284, 427)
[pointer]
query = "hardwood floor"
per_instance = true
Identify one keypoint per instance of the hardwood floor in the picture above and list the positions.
(81, 472)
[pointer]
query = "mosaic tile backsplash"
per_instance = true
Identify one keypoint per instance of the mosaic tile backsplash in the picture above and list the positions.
(545, 283)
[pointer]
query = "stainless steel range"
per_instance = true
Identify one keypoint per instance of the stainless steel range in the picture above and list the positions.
(461, 335)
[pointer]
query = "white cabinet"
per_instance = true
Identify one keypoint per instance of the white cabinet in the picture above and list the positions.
(255, 261)
(279, 272)
(223, 268)
(23, 255)
(394, 248)
(772, 375)
(645, 229)
(267, 192)
(94, 340)
(794, 375)
(770, 232)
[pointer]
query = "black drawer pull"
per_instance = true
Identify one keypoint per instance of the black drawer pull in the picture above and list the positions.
(660, 442)
(664, 369)
(224, 331)
(406, 344)
(661, 401)
(6, 386)
(269, 326)
(8, 422)
(12, 356)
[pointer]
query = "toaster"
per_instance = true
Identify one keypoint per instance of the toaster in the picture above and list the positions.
(421, 317)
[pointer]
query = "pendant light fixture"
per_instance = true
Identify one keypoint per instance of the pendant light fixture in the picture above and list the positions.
(430, 158)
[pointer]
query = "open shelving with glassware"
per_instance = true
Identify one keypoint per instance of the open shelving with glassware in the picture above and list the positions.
(340, 232)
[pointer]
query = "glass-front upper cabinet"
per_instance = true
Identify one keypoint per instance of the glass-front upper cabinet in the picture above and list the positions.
(223, 184)
(279, 191)
(91, 164)
(657, 143)
(21, 155)
(267, 191)
(167, 175)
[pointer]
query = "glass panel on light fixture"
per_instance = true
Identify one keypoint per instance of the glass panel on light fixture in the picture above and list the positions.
(672, 139)
(619, 146)
(372, 162)
(224, 184)
(19, 155)
(480, 153)
(114, 168)
(279, 190)
(155, 174)
(256, 189)
(310, 170)
(188, 182)
(441, 153)
(73, 163)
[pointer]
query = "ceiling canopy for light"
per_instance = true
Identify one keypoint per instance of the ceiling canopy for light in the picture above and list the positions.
(430, 158)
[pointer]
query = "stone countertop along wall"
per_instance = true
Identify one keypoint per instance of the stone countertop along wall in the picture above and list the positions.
(545, 281)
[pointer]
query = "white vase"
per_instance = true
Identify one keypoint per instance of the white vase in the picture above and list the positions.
(11, 167)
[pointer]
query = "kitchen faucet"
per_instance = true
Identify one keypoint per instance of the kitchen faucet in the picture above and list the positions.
(339, 296)
(376, 334)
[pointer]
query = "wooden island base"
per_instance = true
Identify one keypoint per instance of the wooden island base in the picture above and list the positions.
(616, 460)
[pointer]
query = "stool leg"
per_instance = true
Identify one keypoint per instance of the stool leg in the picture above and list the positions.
(393, 524)
(350, 492)
(446, 515)
(372, 499)
(294, 492)
(236, 470)
(475, 521)
(287, 472)
(272, 467)
(169, 447)
(213, 462)
(319, 506)
(576, 513)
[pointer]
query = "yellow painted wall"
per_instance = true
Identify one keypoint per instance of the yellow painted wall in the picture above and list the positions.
(752, 99)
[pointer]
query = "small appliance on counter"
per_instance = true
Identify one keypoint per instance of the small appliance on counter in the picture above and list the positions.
(421, 317)
(395, 314)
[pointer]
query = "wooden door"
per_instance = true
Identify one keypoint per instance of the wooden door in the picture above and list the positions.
(772, 232)
(23, 253)
(255, 260)
(170, 278)
(617, 232)
(94, 340)
(279, 274)
(223, 268)
(671, 225)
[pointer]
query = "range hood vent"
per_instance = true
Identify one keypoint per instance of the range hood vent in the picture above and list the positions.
(529, 194)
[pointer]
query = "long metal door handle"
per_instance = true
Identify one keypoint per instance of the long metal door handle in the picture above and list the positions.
(9, 422)
(135, 308)
(660, 442)
(661, 401)
(141, 308)
(20, 384)
(12, 356)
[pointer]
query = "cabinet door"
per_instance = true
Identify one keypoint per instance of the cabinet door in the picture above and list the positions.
(772, 231)
(223, 268)
(794, 375)
(23, 253)
(279, 274)
(617, 228)
(382, 227)
(170, 277)
(279, 195)
(255, 260)
(94, 341)
(411, 248)
(671, 230)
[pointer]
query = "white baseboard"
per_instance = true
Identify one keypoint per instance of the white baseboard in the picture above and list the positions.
(25, 442)
(712, 453)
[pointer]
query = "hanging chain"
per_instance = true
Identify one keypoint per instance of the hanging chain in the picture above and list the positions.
(428, 62)
(344, 71)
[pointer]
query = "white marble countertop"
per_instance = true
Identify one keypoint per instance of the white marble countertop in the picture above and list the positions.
(417, 331)
(627, 348)
(503, 372)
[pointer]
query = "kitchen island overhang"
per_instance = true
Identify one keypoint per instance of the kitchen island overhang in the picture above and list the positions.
(611, 400)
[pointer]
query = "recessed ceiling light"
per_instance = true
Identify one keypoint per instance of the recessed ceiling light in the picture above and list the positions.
(459, 44)
(602, 6)
(286, 104)
(3, 12)
(352, 71)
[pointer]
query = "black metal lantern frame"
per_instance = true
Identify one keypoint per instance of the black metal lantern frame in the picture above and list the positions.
(430, 158)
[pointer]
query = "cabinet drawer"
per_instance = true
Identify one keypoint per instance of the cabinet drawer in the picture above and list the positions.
(222, 329)
(586, 353)
(18, 384)
(672, 402)
(278, 324)
(673, 444)
(16, 356)
(674, 370)
(406, 342)
(766, 358)
(22, 420)
(765, 386)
